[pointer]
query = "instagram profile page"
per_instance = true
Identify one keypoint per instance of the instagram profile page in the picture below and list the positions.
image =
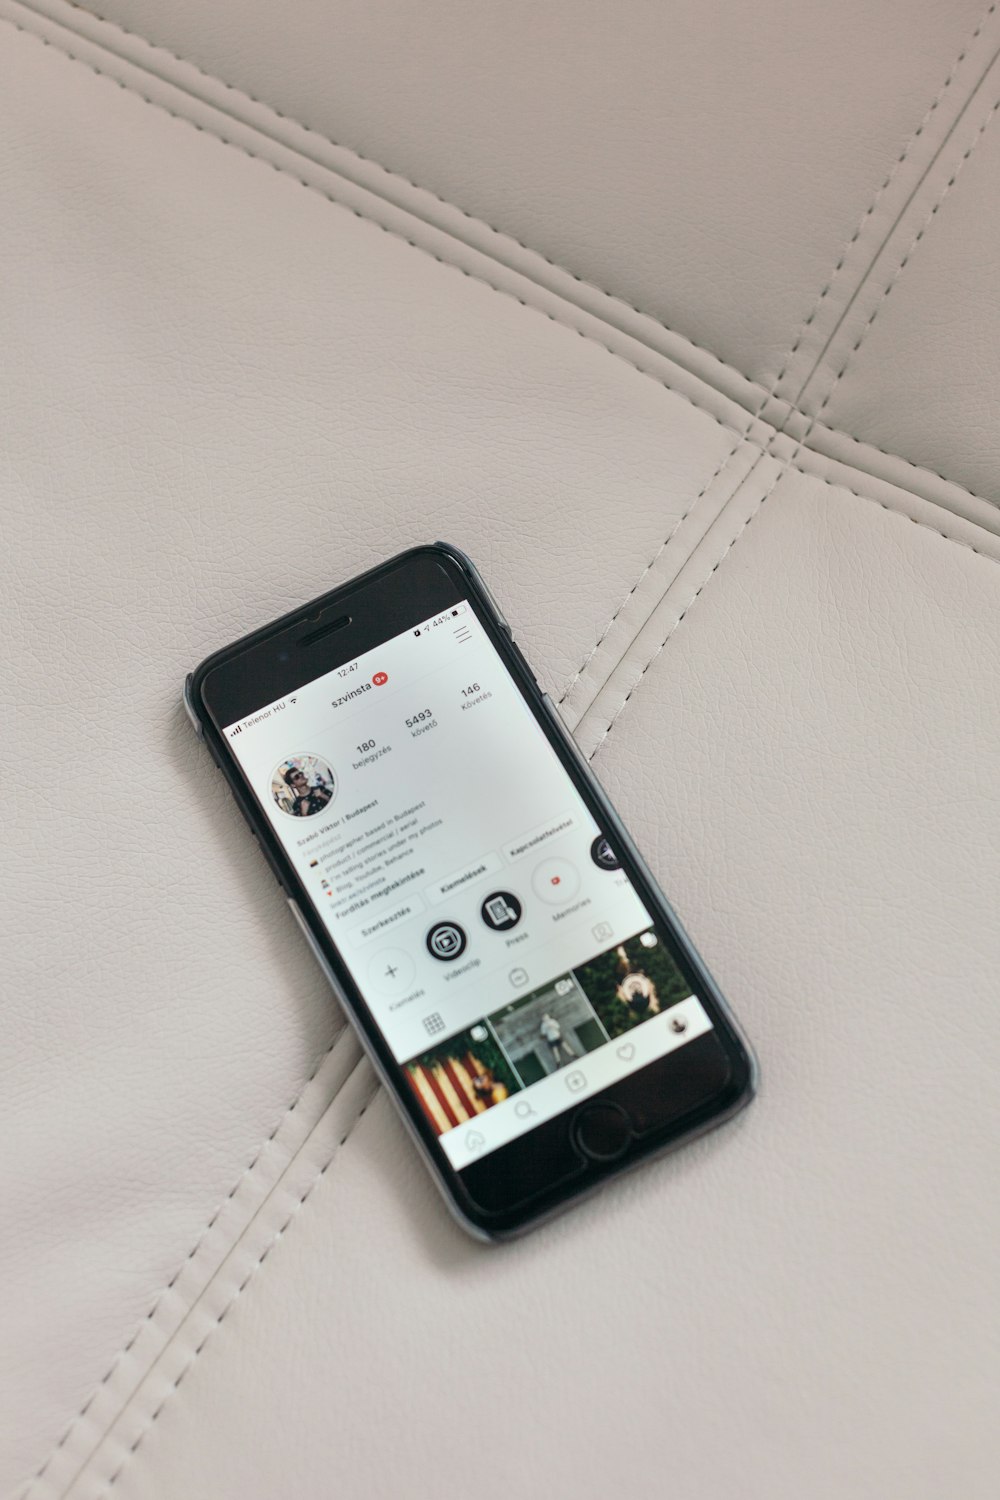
(483, 914)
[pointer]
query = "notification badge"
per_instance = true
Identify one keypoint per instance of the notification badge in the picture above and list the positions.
(380, 678)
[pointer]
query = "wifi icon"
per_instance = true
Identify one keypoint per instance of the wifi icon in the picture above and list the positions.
(292, 700)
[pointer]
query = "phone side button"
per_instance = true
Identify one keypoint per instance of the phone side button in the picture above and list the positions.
(317, 951)
(522, 659)
(273, 865)
(189, 706)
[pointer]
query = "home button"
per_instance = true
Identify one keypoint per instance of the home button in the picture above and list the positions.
(602, 1131)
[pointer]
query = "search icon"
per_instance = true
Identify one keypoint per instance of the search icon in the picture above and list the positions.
(523, 1109)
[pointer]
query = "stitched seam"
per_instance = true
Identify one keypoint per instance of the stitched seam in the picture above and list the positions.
(841, 321)
(625, 701)
(278, 1235)
(932, 215)
(917, 468)
(223, 140)
(830, 484)
(772, 390)
(240, 1289)
(652, 562)
(614, 297)
(169, 1286)
(789, 463)
(327, 140)
(329, 197)
(532, 250)
(502, 291)
(766, 396)
(769, 394)
(911, 142)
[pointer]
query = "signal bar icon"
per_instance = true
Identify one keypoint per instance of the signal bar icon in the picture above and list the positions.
(237, 730)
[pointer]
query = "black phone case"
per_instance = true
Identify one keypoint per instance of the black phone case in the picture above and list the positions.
(482, 1226)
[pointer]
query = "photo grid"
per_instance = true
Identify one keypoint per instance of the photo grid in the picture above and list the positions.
(548, 1029)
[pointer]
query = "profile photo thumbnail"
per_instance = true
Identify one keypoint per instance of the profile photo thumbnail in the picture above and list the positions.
(303, 785)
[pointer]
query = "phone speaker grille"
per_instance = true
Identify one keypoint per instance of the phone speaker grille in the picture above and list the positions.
(324, 630)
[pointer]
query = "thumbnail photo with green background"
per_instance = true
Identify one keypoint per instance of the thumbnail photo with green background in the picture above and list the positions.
(632, 982)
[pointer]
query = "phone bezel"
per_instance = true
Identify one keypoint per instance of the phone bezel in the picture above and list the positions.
(232, 682)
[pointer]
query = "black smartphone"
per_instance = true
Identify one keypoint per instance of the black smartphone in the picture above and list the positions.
(523, 988)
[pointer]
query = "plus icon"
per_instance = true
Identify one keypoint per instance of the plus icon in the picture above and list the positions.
(392, 971)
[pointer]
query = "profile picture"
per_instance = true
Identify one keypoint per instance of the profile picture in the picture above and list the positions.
(303, 785)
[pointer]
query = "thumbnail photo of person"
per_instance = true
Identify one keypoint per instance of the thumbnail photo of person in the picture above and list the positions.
(303, 785)
(548, 1029)
(632, 982)
(461, 1077)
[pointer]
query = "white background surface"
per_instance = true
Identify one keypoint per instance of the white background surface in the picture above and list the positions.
(225, 1275)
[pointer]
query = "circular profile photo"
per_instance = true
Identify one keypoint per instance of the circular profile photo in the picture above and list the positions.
(303, 785)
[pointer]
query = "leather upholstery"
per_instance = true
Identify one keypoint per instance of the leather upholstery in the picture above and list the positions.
(243, 362)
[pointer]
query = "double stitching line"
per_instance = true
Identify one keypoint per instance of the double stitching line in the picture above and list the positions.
(366, 218)
(739, 438)
(775, 386)
(908, 147)
(913, 467)
(789, 463)
(311, 187)
(723, 462)
(830, 484)
(394, 172)
(343, 1037)
(228, 1306)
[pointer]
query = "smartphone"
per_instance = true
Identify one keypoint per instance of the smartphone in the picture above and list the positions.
(524, 990)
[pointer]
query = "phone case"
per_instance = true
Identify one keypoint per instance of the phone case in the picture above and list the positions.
(612, 822)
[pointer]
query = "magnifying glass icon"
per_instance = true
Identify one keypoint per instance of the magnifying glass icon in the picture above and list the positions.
(523, 1109)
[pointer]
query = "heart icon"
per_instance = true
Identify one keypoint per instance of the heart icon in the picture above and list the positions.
(626, 1051)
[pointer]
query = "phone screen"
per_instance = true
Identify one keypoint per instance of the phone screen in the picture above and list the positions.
(481, 910)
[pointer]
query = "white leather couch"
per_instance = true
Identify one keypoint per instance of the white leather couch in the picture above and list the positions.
(684, 321)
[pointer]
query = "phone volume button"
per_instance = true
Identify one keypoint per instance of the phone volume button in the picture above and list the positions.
(319, 955)
(522, 659)
(189, 708)
(554, 713)
(566, 735)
